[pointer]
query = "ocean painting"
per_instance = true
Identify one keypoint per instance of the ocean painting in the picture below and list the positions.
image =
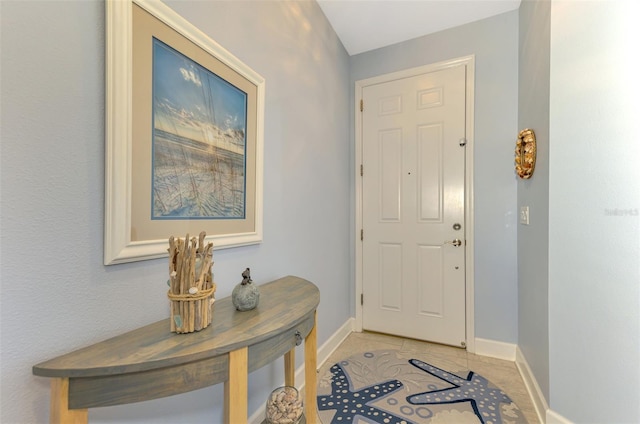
(199, 141)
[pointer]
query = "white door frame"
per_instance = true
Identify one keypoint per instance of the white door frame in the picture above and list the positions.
(469, 61)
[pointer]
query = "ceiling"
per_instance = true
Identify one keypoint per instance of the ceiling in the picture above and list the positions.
(364, 25)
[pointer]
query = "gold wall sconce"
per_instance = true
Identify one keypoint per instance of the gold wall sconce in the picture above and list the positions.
(525, 153)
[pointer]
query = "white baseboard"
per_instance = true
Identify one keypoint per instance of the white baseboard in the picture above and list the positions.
(531, 384)
(495, 349)
(545, 414)
(324, 352)
(335, 340)
(555, 418)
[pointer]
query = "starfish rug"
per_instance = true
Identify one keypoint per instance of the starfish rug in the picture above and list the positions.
(392, 387)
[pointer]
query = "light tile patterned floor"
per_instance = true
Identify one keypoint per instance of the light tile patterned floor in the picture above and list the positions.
(502, 373)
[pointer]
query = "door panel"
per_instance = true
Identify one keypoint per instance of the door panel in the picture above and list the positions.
(390, 175)
(412, 195)
(390, 261)
(430, 172)
(430, 293)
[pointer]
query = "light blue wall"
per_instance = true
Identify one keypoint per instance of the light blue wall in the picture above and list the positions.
(594, 210)
(56, 294)
(533, 240)
(494, 42)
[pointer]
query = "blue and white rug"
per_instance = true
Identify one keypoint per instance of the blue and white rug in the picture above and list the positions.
(391, 387)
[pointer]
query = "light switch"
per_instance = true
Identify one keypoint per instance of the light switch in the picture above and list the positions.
(524, 215)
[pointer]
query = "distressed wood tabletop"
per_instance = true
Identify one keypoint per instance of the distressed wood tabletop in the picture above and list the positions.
(153, 362)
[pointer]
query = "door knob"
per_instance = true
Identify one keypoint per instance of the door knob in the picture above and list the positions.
(456, 242)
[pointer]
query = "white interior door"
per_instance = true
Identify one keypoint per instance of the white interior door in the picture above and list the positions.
(413, 252)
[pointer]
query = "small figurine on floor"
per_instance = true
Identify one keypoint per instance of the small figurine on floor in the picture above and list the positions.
(245, 295)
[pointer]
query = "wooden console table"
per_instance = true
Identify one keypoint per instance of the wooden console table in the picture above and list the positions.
(151, 362)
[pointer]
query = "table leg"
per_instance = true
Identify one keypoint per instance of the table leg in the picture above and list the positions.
(60, 412)
(235, 388)
(310, 373)
(290, 368)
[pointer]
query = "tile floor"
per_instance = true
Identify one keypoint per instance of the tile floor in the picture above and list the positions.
(502, 373)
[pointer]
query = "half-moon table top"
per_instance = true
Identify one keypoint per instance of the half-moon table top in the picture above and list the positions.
(154, 346)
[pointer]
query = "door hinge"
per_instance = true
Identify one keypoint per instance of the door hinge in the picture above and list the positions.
(361, 298)
(361, 170)
(361, 105)
(361, 235)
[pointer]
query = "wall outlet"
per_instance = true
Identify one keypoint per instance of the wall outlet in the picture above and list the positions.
(524, 215)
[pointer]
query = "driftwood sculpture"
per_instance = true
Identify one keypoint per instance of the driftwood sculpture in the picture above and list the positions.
(191, 286)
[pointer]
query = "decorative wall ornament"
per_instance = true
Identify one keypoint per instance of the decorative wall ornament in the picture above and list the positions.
(525, 153)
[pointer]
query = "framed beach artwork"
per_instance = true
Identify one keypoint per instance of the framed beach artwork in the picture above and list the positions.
(184, 136)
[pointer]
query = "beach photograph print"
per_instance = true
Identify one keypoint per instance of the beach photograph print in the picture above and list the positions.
(199, 141)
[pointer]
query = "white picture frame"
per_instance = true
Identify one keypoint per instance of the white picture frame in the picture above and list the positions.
(120, 178)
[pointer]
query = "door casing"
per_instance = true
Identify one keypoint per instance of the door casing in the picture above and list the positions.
(469, 62)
